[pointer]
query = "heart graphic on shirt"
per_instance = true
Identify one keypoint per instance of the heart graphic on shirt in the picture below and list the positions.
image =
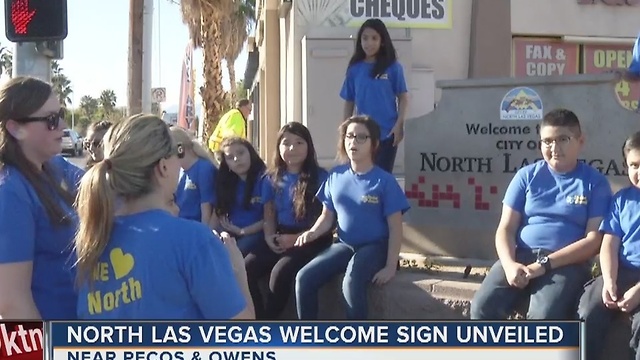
(122, 263)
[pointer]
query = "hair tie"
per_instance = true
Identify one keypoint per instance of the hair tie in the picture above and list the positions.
(109, 164)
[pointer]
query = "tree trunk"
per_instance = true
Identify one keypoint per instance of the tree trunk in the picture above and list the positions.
(232, 81)
(212, 92)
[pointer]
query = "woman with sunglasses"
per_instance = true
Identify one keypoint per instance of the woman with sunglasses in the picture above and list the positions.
(143, 262)
(93, 141)
(37, 220)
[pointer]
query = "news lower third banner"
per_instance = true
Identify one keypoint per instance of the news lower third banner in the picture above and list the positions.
(522, 340)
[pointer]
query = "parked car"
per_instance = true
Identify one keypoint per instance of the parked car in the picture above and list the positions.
(72, 143)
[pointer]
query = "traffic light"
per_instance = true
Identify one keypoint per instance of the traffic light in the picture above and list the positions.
(35, 20)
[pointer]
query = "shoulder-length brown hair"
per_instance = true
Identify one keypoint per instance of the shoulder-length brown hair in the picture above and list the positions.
(372, 128)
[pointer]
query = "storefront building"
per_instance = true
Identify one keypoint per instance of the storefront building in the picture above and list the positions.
(300, 51)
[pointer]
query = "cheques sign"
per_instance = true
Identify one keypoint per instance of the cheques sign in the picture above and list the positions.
(428, 14)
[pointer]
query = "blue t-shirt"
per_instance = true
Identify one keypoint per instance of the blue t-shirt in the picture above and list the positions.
(623, 221)
(555, 208)
(283, 200)
(362, 203)
(375, 97)
(68, 171)
(262, 194)
(158, 266)
(27, 234)
(195, 188)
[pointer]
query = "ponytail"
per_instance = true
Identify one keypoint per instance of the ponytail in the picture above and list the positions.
(95, 204)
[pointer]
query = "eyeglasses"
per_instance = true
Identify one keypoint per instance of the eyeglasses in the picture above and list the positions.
(559, 141)
(360, 138)
(52, 121)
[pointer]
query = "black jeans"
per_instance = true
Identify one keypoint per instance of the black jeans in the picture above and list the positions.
(386, 154)
(281, 269)
(597, 317)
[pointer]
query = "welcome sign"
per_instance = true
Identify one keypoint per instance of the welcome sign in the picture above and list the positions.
(460, 158)
(426, 14)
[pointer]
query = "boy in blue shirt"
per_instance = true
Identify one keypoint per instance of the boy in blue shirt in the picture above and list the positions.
(548, 230)
(618, 288)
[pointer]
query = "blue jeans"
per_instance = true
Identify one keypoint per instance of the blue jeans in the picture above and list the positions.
(386, 154)
(249, 242)
(359, 264)
(597, 317)
(553, 296)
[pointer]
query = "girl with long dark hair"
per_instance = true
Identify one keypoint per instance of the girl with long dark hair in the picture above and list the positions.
(375, 86)
(295, 177)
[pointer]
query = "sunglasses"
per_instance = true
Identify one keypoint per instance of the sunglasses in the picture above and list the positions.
(52, 121)
(89, 144)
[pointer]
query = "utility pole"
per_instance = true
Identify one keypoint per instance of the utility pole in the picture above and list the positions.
(134, 98)
(28, 61)
(147, 55)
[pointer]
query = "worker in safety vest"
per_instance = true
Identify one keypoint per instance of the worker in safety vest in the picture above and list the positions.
(233, 123)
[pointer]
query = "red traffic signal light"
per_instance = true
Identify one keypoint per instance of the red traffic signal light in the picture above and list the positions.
(35, 20)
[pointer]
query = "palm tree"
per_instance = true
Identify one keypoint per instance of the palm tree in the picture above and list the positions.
(235, 32)
(107, 101)
(61, 84)
(203, 19)
(89, 105)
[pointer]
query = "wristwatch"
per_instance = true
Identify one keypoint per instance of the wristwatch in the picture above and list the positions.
(545, 262)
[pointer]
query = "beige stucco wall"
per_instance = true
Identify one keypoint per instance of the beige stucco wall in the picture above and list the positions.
(444, 53)
(567, 17)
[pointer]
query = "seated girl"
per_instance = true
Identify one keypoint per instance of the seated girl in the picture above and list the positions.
(241, 193)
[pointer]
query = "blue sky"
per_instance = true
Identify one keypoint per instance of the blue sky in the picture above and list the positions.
(96, 50)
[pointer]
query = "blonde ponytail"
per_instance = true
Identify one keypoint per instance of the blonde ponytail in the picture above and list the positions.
(132, 149)
(95, 204)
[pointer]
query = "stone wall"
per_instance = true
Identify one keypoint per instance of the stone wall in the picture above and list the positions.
(460, 158)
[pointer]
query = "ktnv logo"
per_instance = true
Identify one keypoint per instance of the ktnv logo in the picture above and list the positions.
(20, 339)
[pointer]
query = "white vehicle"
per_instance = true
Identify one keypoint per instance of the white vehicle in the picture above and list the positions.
(72, 143)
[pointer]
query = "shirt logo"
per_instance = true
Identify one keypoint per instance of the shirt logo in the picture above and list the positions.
(577, 200)
(256, 200)
(370, 199)
(190, 185)
(117, 274)
(383, 76)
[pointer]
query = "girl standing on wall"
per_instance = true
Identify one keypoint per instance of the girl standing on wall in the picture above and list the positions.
(156, 265)
(242, 193)
(368, 204)
(194, 195)
(37, 220)
(375, 86)
(296, 177)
